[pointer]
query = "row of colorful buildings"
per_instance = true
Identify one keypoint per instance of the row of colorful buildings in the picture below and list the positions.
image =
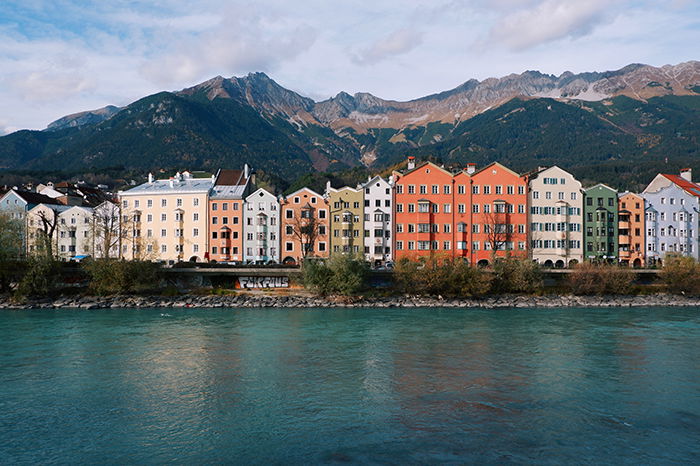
(476, 214)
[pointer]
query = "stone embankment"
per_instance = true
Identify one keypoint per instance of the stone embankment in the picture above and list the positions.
(271, 301)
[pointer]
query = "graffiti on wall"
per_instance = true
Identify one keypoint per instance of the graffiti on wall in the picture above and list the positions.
(263, 282)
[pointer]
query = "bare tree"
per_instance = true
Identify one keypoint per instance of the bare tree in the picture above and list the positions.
(109, 230)
(47, 229)
(305, 230)
(499, 232)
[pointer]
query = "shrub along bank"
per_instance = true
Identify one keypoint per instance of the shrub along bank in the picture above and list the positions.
(349, 276)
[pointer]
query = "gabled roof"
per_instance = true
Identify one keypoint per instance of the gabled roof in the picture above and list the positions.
(371, 181)
(496, 163)
(34, 198)
(421, 165)
(227, 177)
(601, 185)
(687, 186)
(311, 191)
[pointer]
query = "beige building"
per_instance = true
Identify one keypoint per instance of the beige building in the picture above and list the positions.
(555, 215)
(167, 218)
(347, 212)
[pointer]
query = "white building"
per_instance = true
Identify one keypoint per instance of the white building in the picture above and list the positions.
(379, 220)
(43, 228)
(108, 234)
(672, 217)
(74, 233)
(555, 215)
(261, 229)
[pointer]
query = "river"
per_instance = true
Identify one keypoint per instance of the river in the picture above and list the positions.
(350, 386)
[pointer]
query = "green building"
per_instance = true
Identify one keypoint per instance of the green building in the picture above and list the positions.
(601, 227)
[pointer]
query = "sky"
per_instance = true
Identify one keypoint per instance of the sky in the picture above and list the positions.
(59, 57)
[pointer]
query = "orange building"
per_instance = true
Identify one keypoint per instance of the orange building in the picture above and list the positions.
(305, 226)
(463, 212)
(499, 214)
(424, 214)
(226, 214)
(631, 229)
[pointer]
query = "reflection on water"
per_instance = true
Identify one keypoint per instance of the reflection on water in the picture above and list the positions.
(350, 385)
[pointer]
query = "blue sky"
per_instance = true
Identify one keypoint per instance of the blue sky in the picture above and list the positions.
(63, 56)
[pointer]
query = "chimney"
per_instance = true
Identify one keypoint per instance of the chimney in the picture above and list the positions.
(150, 178)
(172, 183)
(246, 171)
(471, 168)
(687, 174)
(411, 162)
(328, 185)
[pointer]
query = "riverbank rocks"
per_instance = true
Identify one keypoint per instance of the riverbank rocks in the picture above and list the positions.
(300, 301)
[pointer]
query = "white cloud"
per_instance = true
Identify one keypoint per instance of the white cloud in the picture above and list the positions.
(63, 56)
(547, 21)
(398, 42)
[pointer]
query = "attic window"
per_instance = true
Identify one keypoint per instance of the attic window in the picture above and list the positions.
(261, 194)
(427, 170)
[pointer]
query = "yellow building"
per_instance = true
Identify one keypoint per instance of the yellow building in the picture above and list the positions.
(167, 218)
(346, 207)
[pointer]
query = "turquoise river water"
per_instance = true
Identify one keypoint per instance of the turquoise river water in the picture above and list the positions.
(388, 386)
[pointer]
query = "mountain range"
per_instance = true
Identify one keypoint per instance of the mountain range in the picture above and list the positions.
(631, 120)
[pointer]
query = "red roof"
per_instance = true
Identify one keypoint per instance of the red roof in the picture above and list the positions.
(230, 178)
(687, 186)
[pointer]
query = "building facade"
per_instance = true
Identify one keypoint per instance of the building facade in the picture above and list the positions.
(601, 224)
(346, 208)
(555, 218)
(169, 216)
(305, 226)
(499, 214)
(631, 227)
(423, 200)
(672, 215)
(261, 228)
(43, 229)
(75, 235)
(378, 220)
(226, 215)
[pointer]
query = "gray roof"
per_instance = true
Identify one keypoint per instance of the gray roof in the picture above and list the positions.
(228, 191)
(186, 186)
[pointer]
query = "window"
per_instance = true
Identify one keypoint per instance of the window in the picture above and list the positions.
(195, 232)
(149, 203)
(215, 220)
(178, 202)
(289, 213)
(411, 189)
(125, 203)
(195, 202)
(195, 217)
(163, 217)
(164, 203)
